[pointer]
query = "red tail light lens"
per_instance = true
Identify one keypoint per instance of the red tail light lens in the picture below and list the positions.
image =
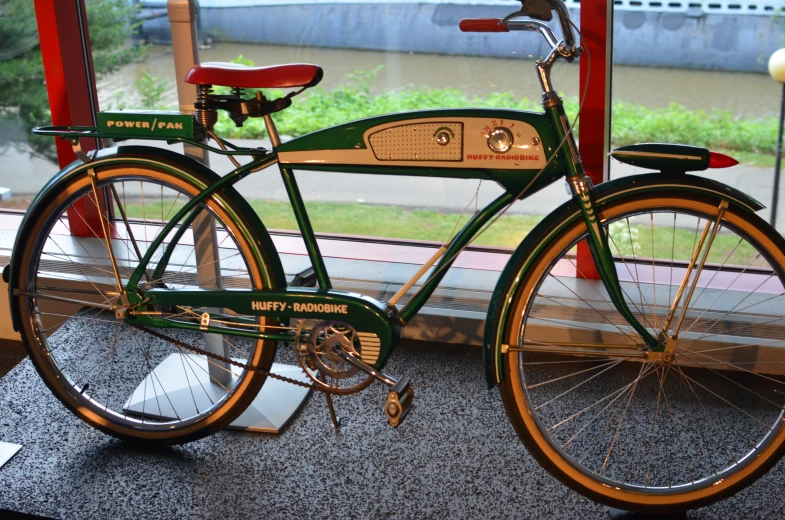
(718, 160)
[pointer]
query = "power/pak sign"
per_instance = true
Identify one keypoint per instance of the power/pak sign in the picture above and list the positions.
(146, 124)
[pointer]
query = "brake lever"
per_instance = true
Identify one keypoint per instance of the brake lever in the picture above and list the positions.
(514, 15)
(535, 26)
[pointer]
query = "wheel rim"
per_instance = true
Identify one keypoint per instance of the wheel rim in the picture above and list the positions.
(116, 377)
(690, 446)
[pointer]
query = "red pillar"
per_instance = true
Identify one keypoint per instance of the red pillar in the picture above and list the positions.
(70, 84)
(597, 28)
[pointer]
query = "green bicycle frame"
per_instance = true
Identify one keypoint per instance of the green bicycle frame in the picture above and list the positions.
(552, 127)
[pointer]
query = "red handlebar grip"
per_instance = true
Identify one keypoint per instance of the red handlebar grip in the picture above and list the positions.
(482, 25)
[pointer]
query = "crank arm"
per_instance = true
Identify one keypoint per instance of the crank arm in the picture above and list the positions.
(399, 398)
(368, 369)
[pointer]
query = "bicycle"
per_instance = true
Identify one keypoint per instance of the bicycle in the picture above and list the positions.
(634, 403)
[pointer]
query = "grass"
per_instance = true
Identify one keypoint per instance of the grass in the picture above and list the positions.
(365, 220)
(507, 231)
(726, 249)
(392, 222)
(761, 160)
(632, 123)
(752, 140)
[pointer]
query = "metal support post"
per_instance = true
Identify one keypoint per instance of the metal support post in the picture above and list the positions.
(182, 17)
(277, 401)
(595, 118)
(777, 163)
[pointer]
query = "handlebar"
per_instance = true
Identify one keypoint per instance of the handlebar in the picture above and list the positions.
(499, 25)
(483, 25)
(539, 9)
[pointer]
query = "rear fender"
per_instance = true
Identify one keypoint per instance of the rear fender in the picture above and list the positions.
(175, 163)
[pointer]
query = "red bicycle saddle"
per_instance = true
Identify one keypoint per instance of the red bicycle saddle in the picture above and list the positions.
(235, 75)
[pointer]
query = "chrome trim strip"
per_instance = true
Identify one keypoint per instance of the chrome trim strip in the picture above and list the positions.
(655, 154)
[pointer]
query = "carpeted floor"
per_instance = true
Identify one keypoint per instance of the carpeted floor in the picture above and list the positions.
(456, 456)
(11, 353)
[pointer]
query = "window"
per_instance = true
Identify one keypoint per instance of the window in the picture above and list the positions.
(696, 75)
(27, 161)
(385, 58)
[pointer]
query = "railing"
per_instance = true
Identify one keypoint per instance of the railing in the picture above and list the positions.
(764, 7)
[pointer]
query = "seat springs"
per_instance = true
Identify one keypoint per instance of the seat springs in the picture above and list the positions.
(208, 103)
(206, 113)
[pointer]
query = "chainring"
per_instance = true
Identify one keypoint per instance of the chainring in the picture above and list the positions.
(324, 339)
(324, 366)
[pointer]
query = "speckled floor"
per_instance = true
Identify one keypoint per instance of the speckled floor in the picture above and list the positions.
(11, 353)
(456, 456)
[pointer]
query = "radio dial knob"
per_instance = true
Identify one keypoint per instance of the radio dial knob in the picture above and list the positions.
(500, 139)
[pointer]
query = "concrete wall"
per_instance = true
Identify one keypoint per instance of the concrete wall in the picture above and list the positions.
(681, 38)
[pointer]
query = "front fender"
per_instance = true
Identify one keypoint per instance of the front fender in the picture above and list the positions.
(173, 162)
(567, 214)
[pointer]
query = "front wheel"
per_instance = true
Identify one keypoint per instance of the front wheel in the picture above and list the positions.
(647, 431)
(138, 384)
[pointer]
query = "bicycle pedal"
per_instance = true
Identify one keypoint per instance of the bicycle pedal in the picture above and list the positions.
(399, 402)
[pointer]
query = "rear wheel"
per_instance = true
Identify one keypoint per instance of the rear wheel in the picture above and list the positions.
(644, 431)
(129, 382)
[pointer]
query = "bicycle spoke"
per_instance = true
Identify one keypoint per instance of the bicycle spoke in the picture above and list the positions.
(733, 365)
(608, 421)
(628, 420)
(132, 381)
(728, 403)
(654, 429)
(717, 271)
(678, 437)
(632, 338)
(530, 363)
(641, 309)
(653, 270)
(734, 309)
(586, 409)
(575, 387)
(621, 421)
(707, 414)
(86, 277)
(128, 229)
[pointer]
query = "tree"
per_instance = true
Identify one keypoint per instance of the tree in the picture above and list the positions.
(24, 98)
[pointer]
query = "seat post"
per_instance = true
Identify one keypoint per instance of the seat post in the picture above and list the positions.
(272, 131)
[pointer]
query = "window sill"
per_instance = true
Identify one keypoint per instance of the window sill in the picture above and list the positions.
(377, 267)
(456, 311)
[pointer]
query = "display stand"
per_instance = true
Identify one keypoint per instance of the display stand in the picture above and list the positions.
(278, 401)
(275, 404)
(620, 514)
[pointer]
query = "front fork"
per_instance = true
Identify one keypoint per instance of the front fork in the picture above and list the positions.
(581, 186)
(603, 259)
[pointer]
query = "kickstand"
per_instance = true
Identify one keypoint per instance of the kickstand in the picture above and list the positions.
(330, 407)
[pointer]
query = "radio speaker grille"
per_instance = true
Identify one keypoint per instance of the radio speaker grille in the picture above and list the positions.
(418, 142)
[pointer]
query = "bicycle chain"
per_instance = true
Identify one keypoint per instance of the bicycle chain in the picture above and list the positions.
(267, 373)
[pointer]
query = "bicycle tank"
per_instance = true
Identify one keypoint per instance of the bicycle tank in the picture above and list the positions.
(509, 147)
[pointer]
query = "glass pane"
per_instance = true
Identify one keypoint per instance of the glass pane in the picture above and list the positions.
(28, 161)
(373, 65)
(695, 73)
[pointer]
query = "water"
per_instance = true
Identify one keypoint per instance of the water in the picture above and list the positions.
(742, 94)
